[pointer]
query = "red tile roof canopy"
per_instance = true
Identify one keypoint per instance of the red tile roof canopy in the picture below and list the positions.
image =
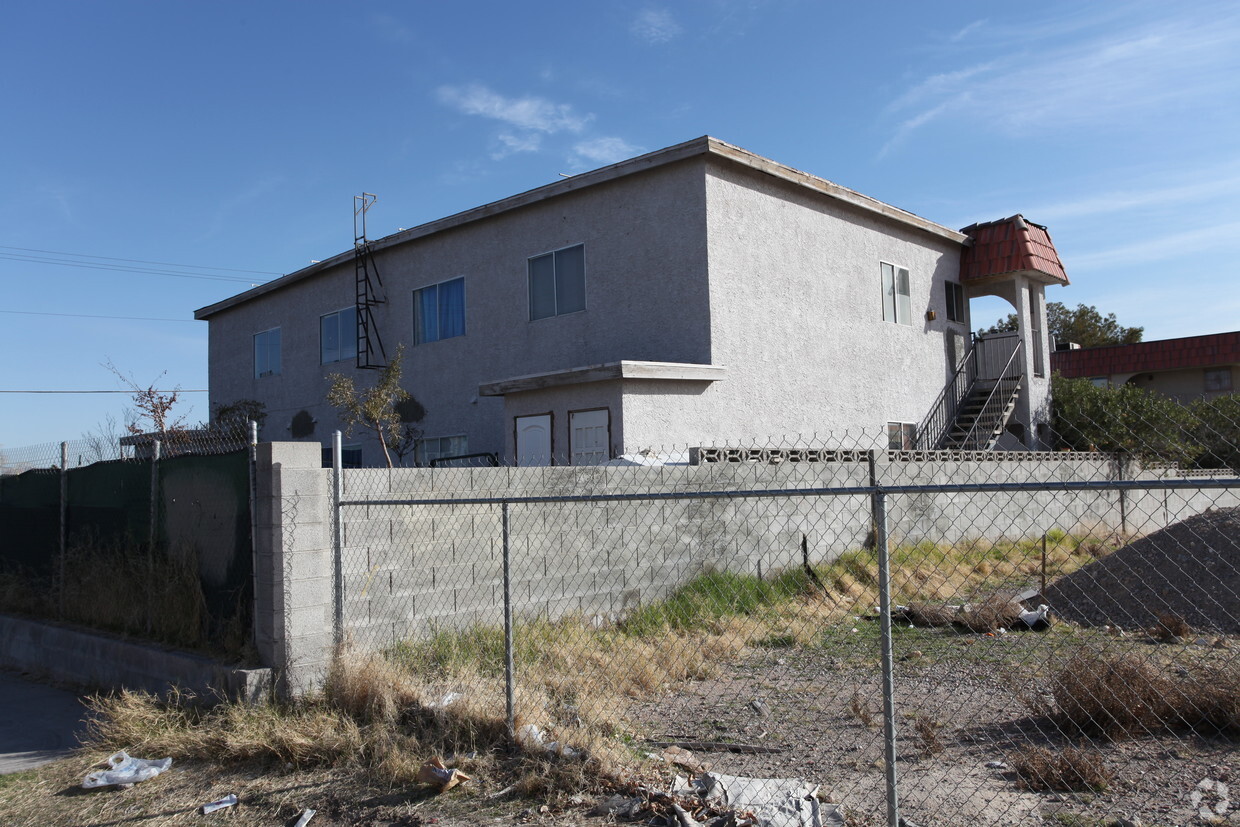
(1146, 357)
(1009, 246)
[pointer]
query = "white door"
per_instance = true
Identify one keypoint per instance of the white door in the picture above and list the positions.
(534, 440)
(588, 437)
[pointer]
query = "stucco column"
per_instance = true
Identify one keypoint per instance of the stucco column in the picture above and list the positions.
(293, 565)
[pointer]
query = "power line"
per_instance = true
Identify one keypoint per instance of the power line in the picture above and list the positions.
(119, 268)
(174, 390)
(141, 261)
(92, 316)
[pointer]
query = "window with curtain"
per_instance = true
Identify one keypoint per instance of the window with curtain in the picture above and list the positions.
(439, 311)
(897, 295)
(338, 336)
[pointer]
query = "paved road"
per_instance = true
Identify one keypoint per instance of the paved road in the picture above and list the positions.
(38, 723)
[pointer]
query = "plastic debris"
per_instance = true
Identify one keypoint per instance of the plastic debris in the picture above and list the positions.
(227, 801)
(996, 765)
(1038, 619)
(531, 737)
(774, 802)
(125, 771)
(305, 818)
(446, 701)
(435, 774)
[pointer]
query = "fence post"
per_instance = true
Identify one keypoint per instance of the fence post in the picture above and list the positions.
(253, 479)
(337, 542)
(509, 667)
(879, 515)
(64, 525)
(155, 451)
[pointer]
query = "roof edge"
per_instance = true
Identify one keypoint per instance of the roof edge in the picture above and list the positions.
(704, 145)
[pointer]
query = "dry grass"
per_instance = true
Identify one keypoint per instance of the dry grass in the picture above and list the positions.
(927, 730)
(1070, 770)
(1116, 696)
(1170, 628)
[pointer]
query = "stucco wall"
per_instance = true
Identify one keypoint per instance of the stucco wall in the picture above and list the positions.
(646, 294)
(796, 316)
(1183, 386)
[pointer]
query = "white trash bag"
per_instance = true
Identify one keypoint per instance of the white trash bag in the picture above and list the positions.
(125, 771)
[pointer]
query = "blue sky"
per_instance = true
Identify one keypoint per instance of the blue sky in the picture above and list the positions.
(230, 137)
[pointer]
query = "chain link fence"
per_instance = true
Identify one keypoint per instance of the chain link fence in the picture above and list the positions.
(828, 628)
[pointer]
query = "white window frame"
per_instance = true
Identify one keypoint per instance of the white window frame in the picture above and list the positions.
(262, 340)
(556, 292)
(422, 457)
(417, 338)
(895, 310)
(342, 353)
(955, 303)
(907, 432)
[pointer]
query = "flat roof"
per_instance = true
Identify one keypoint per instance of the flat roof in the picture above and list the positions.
(624, 369)
(704, 145)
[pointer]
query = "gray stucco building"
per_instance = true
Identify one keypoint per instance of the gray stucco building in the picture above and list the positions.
(696, 295)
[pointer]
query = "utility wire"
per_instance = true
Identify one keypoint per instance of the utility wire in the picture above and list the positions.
(92, 316)
(119, 268)
(174, 390)
(140, 261)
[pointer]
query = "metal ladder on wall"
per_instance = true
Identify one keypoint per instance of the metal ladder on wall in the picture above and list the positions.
(369, 289)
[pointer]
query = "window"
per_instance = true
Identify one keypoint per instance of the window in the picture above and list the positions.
(1035, 331)
(439, 447)
(897, 298)
(955, 301)
(1218, 379)
(1100, 381)
(338, 336)
(439, 311)
(350, 456)
(558, 282)
(900, 436)
(267, 353)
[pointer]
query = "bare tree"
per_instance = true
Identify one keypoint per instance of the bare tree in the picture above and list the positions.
(151, 404)
(103, 443)
(373, 408)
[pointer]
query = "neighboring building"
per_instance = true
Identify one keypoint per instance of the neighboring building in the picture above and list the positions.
(1194, 367)
(696, 295)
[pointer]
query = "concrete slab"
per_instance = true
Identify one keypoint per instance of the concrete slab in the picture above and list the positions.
(38, 723)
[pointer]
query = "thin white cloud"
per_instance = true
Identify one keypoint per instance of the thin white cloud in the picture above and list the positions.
(1222, 184)
(512, 142)
(607, 150)
(967, 30)
(1162, 248)
(1104, 77)
(529, 113)
(655, 26)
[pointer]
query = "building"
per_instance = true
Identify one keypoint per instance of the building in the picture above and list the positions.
(1185, 369)
(696, 295)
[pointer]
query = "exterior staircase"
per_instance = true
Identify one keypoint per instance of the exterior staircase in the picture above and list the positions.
(974, 408)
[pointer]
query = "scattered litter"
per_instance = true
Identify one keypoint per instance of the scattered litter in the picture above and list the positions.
(227, 801)
(305, 818)
(530, 737)
(125, 771)
(1038, 619)
(681, 757)
(435, 774)
(683, 818)
(996, 765)
(759, 706)
(774, 802)
(620, 806)
(503, 792)
(446, 701)
(1211, 799)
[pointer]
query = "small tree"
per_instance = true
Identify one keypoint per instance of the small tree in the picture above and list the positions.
(232, 421)
(374, 408)
(1084, 325)
(1216, 429)
(152, 405)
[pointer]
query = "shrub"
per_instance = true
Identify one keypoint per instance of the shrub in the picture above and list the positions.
(1072, 770)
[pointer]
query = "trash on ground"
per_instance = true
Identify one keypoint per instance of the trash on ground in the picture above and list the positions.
(125, 771)
(774, 802)
(760, 707)
(435, 774)
(620, 806)
(996, 765)
(681, 757)
(305, 818)
(227, 801)
(446, 701)
(531, 737)
(1038, 619)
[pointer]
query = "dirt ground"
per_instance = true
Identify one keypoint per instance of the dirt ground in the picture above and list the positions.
(816, 714)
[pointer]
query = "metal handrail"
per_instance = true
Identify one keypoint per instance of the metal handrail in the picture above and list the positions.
(937, 424)
(988, 413)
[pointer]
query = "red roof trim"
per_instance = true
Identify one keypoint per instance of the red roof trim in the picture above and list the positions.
(1164, 354)
(1010, 245)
